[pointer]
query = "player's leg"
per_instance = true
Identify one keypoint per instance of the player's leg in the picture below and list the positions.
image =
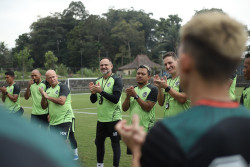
(40, 120)
(72, 139)
(100, 142)
(61, 129)
(115, 143)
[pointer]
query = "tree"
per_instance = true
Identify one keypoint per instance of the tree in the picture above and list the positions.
(50, 60)
(167, 34)
(129, 34)
(76, 10)
(24, 60)
(5, 56)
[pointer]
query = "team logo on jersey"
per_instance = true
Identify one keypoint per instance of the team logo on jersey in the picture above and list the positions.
(108, 85)
(10, 90)
(56, 92)
(177, 83)
(144, 94)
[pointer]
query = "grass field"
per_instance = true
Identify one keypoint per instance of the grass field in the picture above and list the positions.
(85, 113)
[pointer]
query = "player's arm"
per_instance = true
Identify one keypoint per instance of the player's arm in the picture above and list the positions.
(44, 102)
(180, 96)
(160, 97)
(150, 101)
(60, 100)
(3, 93)
(93, 96)
(15, 95)
(27, 92)
(117, 91)
(64, 92)
(126, 103)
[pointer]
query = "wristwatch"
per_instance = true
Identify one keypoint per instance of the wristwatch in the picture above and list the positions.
(136, 97)
(167, 89)
(6, 93)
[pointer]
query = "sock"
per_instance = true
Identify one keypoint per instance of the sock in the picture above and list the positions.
(100, 165)
(76, 151)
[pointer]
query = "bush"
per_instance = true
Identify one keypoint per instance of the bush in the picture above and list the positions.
(62, 70)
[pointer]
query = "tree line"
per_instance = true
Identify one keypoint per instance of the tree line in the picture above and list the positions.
(75, 39)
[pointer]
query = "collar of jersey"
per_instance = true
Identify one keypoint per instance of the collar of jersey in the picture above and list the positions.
(143, 86)
(214, 103)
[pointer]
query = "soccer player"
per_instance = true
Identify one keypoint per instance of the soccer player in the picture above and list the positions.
(107, 93)
(38, 114)
(173, 99)
(57, 99)
(215, 126)
(141, 99)
(245, 97)
(11, 95)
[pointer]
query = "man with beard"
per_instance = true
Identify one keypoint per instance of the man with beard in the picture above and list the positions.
(107, 92)
(11, 95)
(245, 97)
(38, 114)
(141, 99)
(215, 126)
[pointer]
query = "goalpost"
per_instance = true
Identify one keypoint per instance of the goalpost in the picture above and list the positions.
(84, 81)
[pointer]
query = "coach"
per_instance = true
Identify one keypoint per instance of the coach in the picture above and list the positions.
(107, 92)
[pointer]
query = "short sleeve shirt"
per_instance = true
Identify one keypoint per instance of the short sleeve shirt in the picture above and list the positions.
(108, 111)
(14, 89)
(37, 97)
(245, 97)
(59, 113)
(171, 106)
(146, 93)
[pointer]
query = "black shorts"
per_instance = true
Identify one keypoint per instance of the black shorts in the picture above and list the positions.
(107, 129)
(40, 119)
(61, 129)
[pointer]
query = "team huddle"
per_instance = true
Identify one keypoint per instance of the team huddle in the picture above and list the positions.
(202, 119)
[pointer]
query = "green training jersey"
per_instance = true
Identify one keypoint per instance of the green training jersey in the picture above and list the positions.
(245, 97)
(13, 107)
(232, 89)
(37, 98)
(109, 104)
(146, 93)
(171, 106)
(59, 113)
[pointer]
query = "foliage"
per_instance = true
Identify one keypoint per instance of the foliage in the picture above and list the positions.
(88, 73)
(62, 70)
(79, 39)
(50, 60)
(5, 56)
(23, 59)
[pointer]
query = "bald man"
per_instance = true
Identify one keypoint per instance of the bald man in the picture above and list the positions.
(57, 99)
(38, 114)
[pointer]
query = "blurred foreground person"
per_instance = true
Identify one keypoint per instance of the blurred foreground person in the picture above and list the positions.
(29, 146)
(215, 126)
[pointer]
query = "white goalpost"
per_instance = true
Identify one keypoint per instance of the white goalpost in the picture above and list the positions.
(84, 82)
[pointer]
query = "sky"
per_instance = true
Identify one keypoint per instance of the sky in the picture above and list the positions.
(16, 16)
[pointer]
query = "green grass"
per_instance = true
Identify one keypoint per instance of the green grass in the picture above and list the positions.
(86, 128)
